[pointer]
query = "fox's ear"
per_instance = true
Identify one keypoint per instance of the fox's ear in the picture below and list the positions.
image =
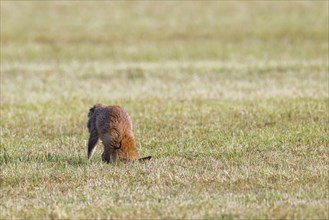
(144, 158)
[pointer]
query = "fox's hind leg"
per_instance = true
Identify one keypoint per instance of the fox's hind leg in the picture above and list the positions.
(109, 153)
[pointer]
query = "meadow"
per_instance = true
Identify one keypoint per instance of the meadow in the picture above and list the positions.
(229, 98)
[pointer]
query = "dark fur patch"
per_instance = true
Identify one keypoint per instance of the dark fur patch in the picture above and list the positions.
(91, 111)
(145, 158)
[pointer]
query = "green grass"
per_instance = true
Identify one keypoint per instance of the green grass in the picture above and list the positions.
(229, 98)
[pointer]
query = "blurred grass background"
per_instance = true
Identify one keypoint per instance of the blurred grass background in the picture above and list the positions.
(151, 31)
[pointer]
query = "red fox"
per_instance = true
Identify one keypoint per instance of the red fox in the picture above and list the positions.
(113, 126)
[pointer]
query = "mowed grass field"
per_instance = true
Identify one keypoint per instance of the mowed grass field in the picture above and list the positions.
(229, 98)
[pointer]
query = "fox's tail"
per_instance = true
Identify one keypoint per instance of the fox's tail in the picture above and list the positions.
(144, 158)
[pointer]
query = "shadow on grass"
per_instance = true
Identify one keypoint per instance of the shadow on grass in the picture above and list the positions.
(74, 160)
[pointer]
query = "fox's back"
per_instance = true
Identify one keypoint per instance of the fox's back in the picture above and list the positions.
(112, 117)
(120, 119)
